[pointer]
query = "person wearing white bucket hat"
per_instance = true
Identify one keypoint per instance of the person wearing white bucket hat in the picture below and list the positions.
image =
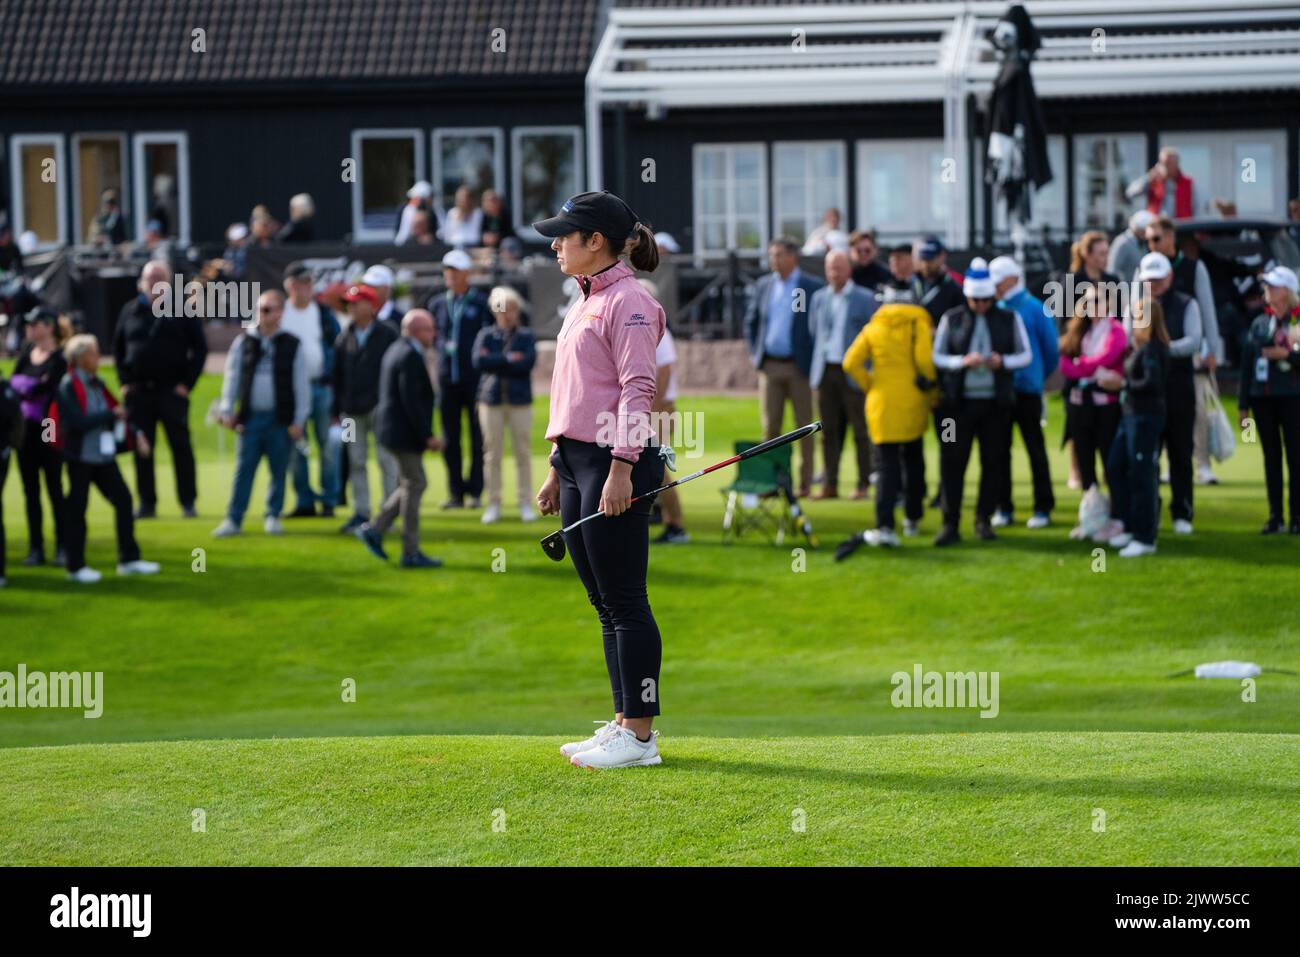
(1270, 391)
(977, 349)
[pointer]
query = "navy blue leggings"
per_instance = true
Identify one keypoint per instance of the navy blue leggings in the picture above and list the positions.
(611, 556)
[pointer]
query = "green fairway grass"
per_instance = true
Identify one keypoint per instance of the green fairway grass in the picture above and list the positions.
(1033, 798)
(787, 651)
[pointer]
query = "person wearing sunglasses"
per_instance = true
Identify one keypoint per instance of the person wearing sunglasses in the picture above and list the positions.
(977, 349)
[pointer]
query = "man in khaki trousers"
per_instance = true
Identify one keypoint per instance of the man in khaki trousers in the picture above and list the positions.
(781, 346)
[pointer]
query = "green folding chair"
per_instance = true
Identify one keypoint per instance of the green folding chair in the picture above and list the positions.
(754, 500)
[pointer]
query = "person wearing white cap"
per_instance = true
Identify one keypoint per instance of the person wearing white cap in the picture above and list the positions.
(1126, 249)
(666, 243)
(459, 312)
(977, 348)
(381, 279)
(1270, 390)
(1155, 277)
(1027, 412)
(417, 198)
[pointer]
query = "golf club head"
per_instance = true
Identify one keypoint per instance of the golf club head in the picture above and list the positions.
(553, 545)
(848, 547)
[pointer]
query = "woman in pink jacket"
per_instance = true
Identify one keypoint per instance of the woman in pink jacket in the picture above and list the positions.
(604, 454)
(1092, 341)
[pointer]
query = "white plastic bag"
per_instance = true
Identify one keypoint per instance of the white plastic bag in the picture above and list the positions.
(1220, 437)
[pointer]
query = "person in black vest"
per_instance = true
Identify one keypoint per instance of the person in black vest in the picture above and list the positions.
(977, 349)
(404, 426)
(266, 397)
(159, 358)
(357, 356)
(460, 313)
(1270, 390)
(1183, 323)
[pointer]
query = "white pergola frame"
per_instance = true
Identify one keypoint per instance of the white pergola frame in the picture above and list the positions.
(1223, 55)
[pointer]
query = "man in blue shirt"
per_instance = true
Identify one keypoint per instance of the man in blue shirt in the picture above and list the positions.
(1027, 413)
(781, 347)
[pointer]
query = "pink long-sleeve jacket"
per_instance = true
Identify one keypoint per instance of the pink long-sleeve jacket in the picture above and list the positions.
(1101, 350)
(605, 369)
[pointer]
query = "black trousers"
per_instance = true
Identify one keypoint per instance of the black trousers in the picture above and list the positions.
(611, 556)
(1277, 422)
(147, 407)
(5, 455)
(108, 479)
(456, 402)
(902, 465)
(1027, 416)
(1180, 426)
(36, 459)
(1133, 466)
(1092, 427)
(981, 420)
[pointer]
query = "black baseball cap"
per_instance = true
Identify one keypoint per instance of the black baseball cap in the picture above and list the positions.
(296, 269)
(593, 212)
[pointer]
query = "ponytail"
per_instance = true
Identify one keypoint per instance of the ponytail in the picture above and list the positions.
(63, 330)
(641, 249)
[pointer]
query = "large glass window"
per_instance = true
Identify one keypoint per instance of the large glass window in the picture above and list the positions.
(466, 157)
(809, 179)
(1104, 165)
(388, 163)
(904, 187)
(1245, 167)
(36, 172)
(162, 184)
(730, 199)
(100, 160)
(546, 170)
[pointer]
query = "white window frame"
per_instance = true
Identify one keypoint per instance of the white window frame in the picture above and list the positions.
(78, 227)
(813, 215)
(525, 230)
(1224, 167)
(19, 200)
(143, 191)
(764, 206)
(1078, 214)
(893, 232)
(415, 135)
(447, 132)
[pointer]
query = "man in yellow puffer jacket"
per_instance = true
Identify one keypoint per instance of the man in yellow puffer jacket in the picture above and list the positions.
(891, 362)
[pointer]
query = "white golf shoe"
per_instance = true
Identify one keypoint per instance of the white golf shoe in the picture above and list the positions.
(491, 514)
(1000, 520)
(526, 514)
(85, 575)
(138, 567)
(881, 538)
(620, 749)
(272, 525)
(1136, 549)
(227, 529)
(577, 747)
(1182, 526)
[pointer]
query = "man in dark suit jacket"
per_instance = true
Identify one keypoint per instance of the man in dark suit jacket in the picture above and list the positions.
(839, 311)
(459, 314)
(404, 426)
(781, 346)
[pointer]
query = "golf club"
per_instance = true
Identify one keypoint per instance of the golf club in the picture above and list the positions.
(553, 544)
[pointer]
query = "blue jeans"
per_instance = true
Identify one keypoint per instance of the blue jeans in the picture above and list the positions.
(1133, 468)
(262, 436)
(322, 397)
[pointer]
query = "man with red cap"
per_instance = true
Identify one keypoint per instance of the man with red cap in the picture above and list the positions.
(358, 354)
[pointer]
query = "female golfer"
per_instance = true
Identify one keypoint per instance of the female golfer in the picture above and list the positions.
(604, 455)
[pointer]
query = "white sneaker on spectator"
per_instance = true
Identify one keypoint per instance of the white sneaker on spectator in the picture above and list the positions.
(226, 529)
(491, 514)
(1205, 476)
(881, 538)
(1121, 540)
(1136, 549)
(1000, 520)
(577, 747)
(85, 575)
(1182, 526)
(1039, 520)
(910, 528)
(138, 567)
(272, 525)
(526, 514)
(620, 749)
